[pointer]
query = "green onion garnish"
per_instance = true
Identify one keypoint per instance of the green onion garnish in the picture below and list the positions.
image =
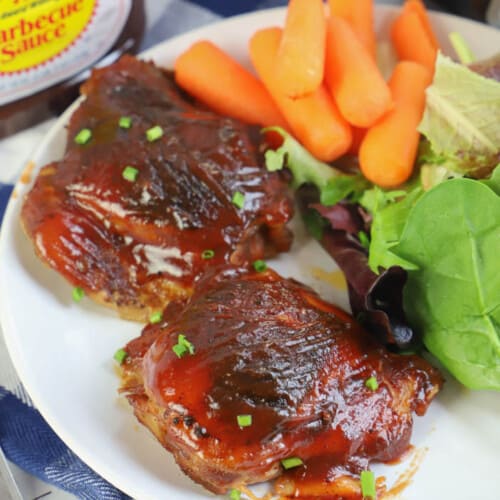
(77, 294)
(179, 350)
(371, 383)
(156, 317)
(183, 346)
(244, 420)
(260, 266)
(83, 136)
(154, 133)
(234, 494)
(368, 489)
(185, 342)
(125, 122)
(130, 173)
(238, 199)
(208, 254)
(120, 355)
(291, 462)
(461, 48)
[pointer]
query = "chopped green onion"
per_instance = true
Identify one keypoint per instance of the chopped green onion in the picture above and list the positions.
(371, 383)
(156, 317)
(77, 294)
(238, 199)
(260, 266)
(154, 133)
(244, 420)
(130, 173)
(179, 350)
(291, 462)
(183, 346)
(368, 489)
(234, 494)
(185, 342)
(83, 136)
(461, 48)
(120, 355)
(208, 254)
(125, 122)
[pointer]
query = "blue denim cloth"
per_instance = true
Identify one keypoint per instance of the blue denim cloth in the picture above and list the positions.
(5, 190)
(225, 8)
(30, 443)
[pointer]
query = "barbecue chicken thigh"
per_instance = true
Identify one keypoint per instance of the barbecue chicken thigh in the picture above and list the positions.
(150, 192)
(254, 369)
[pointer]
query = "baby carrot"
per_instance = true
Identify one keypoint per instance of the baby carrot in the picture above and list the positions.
(387, 153)
(418, 7)
(213, 77)
(359, 15)
(353, 77)
(411, 41)
(301, 55)
(314, 119)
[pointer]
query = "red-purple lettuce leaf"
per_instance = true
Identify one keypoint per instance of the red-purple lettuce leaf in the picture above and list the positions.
(376, 299)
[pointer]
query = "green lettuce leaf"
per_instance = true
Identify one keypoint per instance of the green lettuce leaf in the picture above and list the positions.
(452, 236)
(389, 210)
(434, 168)
(461, 119)
(493, 182)
(332, 184)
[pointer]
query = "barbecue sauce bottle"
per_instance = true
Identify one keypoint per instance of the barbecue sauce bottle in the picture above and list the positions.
(48, 46)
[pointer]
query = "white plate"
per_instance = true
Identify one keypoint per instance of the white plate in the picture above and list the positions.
(63, 351)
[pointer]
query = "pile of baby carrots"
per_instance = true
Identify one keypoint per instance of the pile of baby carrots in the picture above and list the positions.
(318, 79)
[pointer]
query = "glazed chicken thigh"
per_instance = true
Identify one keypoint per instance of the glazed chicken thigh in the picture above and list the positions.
(155, 191)
(272, 372)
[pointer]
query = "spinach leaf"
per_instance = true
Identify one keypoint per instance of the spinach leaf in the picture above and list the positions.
(389, 220)
(452, 236)
(493, 182)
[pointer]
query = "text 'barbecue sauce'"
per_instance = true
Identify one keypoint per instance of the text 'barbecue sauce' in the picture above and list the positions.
(46, 46)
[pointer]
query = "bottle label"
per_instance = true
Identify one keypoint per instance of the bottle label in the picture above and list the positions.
(43, 42)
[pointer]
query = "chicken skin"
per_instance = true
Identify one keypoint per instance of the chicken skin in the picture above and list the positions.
(150, 192)
(268, 371)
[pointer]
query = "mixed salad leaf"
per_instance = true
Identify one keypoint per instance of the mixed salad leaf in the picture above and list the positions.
(333, 184)
(439, 233)
(376, 299)
(341, 227)
(452, 237)
(461, 119)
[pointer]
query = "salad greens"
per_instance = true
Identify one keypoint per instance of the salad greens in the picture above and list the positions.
(333, 184)
(390, 211)
(441, 230)
(452, 238)
(444, 229)
(494, 181)
(461, 119)
(462, 49)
